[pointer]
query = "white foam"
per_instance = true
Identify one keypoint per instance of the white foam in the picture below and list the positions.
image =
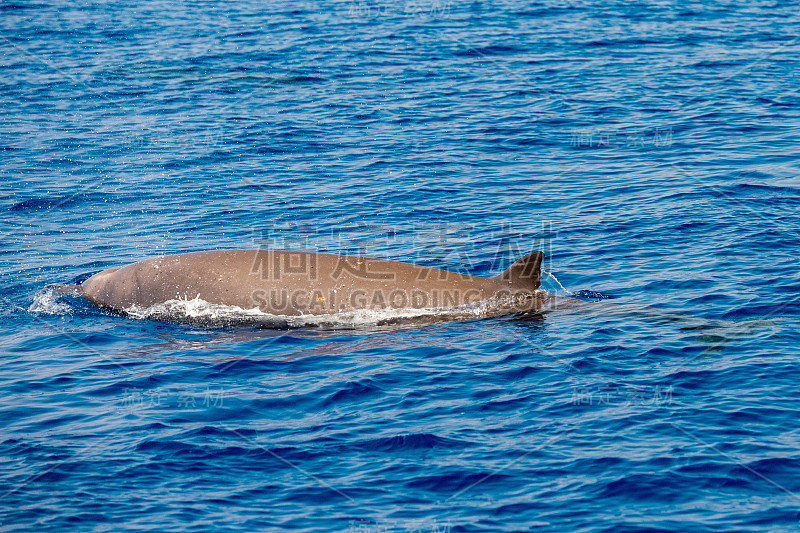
(200, 311)
(50, 300)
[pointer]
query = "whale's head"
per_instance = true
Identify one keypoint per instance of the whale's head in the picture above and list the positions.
(98, 288)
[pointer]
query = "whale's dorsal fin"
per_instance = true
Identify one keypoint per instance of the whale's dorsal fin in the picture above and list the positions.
(526, 272)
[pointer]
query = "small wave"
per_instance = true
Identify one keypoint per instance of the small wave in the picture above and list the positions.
(413, 441)
(488, 51)
(38, 204)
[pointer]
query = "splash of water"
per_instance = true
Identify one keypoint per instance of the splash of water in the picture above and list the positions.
(200, 312)
(54, 300)
(554, 287)
(551, 284)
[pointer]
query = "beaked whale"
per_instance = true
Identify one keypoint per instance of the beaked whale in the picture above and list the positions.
(304, 283)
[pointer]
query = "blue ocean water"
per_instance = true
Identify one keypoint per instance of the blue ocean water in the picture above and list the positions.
(650, 149)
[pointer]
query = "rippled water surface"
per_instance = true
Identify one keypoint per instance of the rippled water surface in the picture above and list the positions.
(650, 149)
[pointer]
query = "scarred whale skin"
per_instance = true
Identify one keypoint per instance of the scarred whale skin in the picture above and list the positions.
(302, 283)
